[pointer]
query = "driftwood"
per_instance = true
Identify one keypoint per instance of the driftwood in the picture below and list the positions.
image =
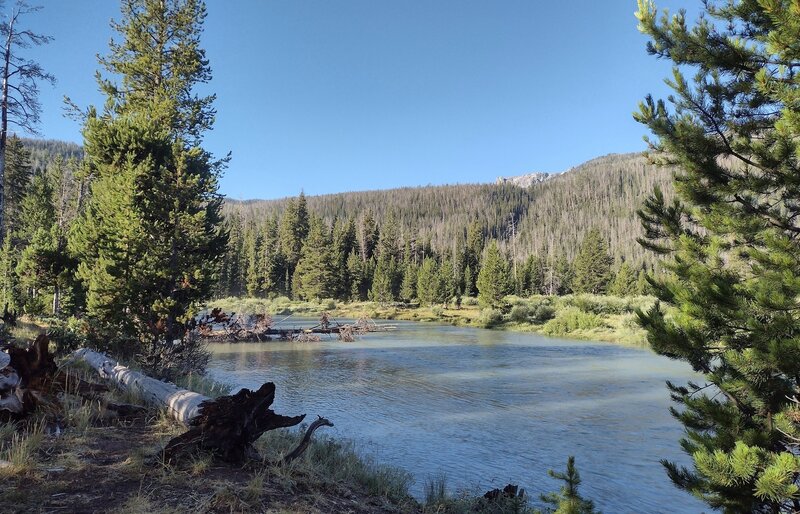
(319, 422)
(226, 426)
(182, 405)
(217, 326)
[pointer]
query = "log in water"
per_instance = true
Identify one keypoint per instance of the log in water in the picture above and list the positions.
(487, 407)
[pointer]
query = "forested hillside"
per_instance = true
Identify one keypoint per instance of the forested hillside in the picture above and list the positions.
(550, 217)
(377, 244)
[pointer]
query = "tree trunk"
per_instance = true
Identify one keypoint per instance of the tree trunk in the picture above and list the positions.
(225, 427)
(182, 405)
(4, 125)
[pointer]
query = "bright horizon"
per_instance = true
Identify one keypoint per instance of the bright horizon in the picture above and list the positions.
(358, 95)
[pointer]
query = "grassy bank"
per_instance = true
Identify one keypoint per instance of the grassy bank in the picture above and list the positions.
(588, 317)
(77, 457)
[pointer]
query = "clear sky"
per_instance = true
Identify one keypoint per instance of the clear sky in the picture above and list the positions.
(330, 96)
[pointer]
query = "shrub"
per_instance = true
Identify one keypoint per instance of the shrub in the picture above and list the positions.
(541, 313)
(437, 311)
(520, 313)
(490, 317)
(329, 304)
(469, 300)
(571, 319)
(598, 304)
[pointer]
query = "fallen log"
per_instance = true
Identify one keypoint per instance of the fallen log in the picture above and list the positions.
(181, 404)
(225, 427)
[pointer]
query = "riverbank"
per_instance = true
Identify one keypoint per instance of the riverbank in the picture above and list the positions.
(78, 457)
(586, 317)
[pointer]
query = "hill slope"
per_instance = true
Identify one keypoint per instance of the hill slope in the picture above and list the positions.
(549, 216)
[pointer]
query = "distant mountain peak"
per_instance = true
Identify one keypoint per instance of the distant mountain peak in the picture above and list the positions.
(526, 180)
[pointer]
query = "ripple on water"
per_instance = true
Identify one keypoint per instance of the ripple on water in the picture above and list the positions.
(486, 408)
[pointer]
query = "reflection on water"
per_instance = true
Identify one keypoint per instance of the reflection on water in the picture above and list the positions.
(486, 407)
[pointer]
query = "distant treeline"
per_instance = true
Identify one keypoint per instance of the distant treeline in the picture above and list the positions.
(374, 245)
(550, 218)
(299, 254)
(425, 243)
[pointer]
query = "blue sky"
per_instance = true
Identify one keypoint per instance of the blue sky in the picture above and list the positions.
(330, 96)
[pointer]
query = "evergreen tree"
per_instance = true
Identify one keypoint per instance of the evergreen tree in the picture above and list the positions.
(270, 262)
(428, 282)
(367, 236)
(592, 265)
(17, 177)
(150, 240)
(494, 279)
(344, 242)
(448, 281)
(731, 237)
(9, 285)
(383, 280)
(533, 276)
(314, 277)
(358, 276)
(408, 290)
(472, 256)
(624, 283)
(37, 210)
(253, 272)
(469, 281)
(293, 231)
(568, 500)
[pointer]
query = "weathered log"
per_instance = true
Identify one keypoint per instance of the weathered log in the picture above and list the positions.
(182, 405)
(301, 448)
(226, 426)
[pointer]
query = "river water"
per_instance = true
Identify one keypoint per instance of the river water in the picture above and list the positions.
(486, 408)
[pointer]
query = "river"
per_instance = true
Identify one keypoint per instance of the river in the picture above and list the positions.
(485, 407)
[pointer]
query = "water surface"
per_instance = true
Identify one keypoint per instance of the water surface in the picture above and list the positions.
(486, 407)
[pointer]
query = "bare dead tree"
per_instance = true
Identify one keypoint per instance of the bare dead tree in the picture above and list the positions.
(19, 96)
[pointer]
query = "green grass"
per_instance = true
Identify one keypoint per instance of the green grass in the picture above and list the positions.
(583, 316)
(335, 463)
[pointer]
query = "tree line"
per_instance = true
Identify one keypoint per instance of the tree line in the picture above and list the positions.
(299, 254)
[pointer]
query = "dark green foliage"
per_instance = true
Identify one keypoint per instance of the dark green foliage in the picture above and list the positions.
(568, 500)
(150, 239)
(592, 266)
(494, 279)
(624, 283)
(293, 231)
(17, 176)
(429, 285)
(731, 238)
(314, 276)
(408, 289)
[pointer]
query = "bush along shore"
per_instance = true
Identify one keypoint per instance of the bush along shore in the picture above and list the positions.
(88, 455)
(588, 317)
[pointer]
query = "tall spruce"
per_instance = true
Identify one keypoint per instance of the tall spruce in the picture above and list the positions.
(151, 240)
(494, 279)
(732, 239)
(592, 265)
(315, 273)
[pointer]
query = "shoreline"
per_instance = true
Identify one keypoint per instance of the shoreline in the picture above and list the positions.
(582, 317)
